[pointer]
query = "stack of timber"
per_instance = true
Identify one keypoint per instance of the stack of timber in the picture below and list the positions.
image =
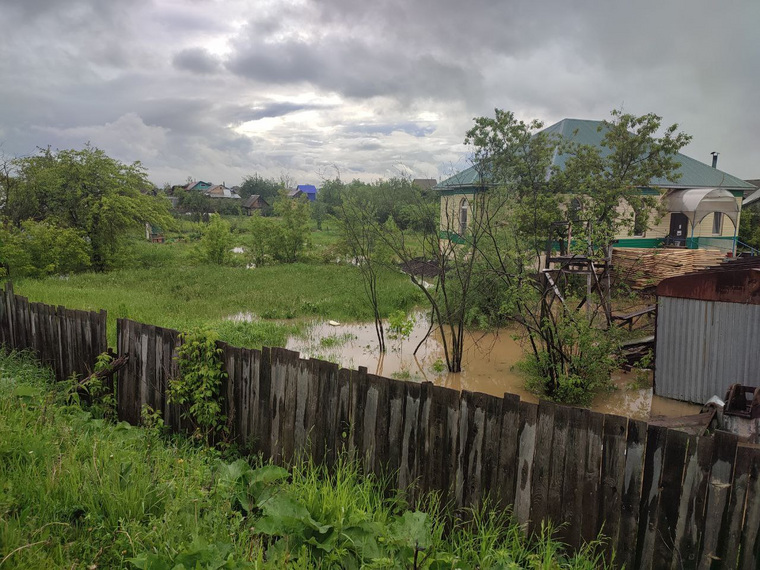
(642, 268)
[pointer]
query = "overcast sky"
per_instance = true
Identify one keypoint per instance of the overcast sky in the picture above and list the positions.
(219, 89)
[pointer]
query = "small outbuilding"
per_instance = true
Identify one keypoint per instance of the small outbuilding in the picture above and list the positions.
(708, 333)
(254, 202)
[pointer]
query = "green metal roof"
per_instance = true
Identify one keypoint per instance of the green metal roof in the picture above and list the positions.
(694, 174)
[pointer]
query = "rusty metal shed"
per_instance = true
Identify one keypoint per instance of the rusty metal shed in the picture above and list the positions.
(707, 334)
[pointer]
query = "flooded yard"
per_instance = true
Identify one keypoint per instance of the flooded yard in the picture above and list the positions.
(488, 365)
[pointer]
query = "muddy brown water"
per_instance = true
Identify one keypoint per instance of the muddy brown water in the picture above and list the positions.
(488, 365)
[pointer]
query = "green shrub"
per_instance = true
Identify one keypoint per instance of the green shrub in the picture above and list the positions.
(216, 241)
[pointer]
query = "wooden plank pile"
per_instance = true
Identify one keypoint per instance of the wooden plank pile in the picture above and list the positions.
(643, 268)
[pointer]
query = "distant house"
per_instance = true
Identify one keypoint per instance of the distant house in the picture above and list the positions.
(309, 190)
(201, 186)
(702, 206)
(221, 191)
(295, 193)
(254, 202)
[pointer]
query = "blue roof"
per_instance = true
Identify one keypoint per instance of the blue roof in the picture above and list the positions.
(694, 174)
(307, 188)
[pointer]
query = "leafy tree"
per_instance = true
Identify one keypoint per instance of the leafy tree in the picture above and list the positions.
(602, 179)
(216, 241)
(524, 194)
(87, 191)
(749, 226)
(195, 202)
(263, 233)
(264, 187)
(292, 235)
(38, 249)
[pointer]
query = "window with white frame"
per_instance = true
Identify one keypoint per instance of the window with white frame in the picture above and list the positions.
(464, 208)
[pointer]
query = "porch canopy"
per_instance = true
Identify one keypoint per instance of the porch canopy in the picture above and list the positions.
(696, 203)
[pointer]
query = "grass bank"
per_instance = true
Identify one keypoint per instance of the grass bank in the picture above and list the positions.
(80, 492)
(164, 286)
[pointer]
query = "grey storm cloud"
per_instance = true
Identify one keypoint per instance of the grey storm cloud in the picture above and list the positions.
(219, 89)
(197, 60)
(352, 68)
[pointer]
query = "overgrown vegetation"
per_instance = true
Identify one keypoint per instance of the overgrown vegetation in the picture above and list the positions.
(198, 387)
(76, 491)
(88, 201)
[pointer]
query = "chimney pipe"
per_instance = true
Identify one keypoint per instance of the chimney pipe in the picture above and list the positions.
(715, 159)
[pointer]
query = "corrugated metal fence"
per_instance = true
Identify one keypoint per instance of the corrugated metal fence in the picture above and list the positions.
(705, 346)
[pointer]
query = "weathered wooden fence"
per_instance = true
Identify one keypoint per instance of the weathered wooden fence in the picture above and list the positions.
(67, 340)
(666, 499)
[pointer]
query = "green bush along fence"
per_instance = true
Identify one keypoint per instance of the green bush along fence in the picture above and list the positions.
(665, 499)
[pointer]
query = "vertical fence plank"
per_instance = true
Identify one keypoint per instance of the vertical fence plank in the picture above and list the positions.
(358, 404)
(730, 534)
(264, 418)
(407, 473)
(676, 445)
(528, 426)
(396, 405)
(509, 440)
(539, 502)
(750, 540)
(718, 494)
(276, 405)
(343, 435)
(470, 472)
(492, 476)
(592, 468)
(691, 514)
(375, 441)
(630, 499)
(329, 394)
(612, 477)
(441, 449)
(302, 427)
(572, 487)
(650, 495)
(557, 467)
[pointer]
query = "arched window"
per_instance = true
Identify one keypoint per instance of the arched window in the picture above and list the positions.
(464, 206)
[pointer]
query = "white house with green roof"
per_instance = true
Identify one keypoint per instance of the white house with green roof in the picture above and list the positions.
(703, 205)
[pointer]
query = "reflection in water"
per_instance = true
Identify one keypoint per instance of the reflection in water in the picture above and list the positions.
(488, 363)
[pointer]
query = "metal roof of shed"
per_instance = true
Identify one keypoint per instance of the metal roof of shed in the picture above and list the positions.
(728, 286)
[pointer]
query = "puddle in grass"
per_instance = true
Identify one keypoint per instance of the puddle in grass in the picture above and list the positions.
(488, 365)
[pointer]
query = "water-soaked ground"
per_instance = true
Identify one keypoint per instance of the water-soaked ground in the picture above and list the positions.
(488, 365)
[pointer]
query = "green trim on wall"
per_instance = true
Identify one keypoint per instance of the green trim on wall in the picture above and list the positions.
(639, 242)
(453, 237)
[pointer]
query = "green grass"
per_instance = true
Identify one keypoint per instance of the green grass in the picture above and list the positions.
(164, 285)
(79, 492)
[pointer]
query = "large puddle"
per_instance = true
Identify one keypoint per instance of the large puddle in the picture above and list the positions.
(488, 365)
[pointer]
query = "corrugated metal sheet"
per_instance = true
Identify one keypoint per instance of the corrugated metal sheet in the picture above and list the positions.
(705, 346)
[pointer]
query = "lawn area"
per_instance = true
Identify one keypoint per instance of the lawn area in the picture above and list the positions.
(164, 285)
